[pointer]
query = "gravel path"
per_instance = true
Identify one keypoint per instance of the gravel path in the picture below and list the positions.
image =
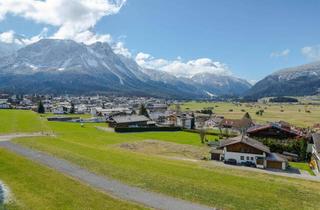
(115, 188)
(8, 137)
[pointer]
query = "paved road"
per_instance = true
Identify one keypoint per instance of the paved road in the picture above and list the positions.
(115, 188)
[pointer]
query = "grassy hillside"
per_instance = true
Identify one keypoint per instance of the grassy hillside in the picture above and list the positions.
(217, 187)
(35, 187)
(12, 121)
(295, 114)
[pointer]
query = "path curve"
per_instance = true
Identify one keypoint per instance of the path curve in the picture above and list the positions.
(8, 137)
(115, 188)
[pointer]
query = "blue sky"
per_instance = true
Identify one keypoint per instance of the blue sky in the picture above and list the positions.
(253, 38)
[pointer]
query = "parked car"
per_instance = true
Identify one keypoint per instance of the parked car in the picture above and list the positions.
(231, 162)
(248, 163)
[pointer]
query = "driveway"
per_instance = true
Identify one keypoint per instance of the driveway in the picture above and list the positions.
(291, 173)
(110, 186)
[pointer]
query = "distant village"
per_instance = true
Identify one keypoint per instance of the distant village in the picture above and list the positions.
(241, 141)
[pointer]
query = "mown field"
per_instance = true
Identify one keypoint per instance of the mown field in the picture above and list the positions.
(216, 187)
(295, 114)
(35, 187)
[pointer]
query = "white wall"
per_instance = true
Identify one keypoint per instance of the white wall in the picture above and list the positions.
(237, 156)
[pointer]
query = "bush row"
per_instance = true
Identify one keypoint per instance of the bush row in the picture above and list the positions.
(146, 129)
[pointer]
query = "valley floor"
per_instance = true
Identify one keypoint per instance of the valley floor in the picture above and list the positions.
(302, 115)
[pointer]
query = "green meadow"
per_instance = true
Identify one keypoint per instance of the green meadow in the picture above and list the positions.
(34, 187)
(214, 186)
(297, 114)
(12, 121)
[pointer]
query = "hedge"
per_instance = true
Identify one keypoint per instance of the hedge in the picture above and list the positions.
(145, 129)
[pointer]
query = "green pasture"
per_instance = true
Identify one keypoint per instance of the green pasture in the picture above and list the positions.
(214, 186)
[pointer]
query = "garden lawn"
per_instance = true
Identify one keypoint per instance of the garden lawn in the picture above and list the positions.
(302, 166)
(36, 187)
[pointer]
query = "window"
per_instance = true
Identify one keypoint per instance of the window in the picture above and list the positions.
(242, 157)
(247, 158)
(252, 158)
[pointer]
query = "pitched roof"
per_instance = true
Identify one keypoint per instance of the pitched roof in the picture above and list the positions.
(130, 118)
(246, 140)
(276, 157)
(237, 123)
(316, 141)
(272, 125)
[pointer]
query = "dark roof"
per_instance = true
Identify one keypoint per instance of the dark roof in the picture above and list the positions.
(130, 118)
(276, 157)
(316, 141)
(216, 151)
(272, 125)
(246, 140)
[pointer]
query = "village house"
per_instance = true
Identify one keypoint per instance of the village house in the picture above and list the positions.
(200, 120)
(157, 112)
(61, 109)
(315, 158)
(274, 130)
(4, 104)
(129, 121)
(248, 151)
(107, 113)
(237, 124)
(184, 121)
(214, 122)
(157, 107)
(171, 120)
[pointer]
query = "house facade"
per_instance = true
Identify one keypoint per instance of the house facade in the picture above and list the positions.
(243, 150)
(4, 104)
(184, 121)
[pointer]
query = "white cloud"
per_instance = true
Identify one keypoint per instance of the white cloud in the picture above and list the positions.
(253, 81)
(119, 49)
(74, 18)
(10, 37)
(7, 37)
(311, 52)
(180, 68)
(283, 53)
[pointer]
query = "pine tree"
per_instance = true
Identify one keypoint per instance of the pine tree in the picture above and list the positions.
(143, 111)
(72, 109)
(41, 109)
(247, 116)
(193, 125)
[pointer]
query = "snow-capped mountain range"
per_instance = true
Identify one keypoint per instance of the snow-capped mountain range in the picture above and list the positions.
(65, 66)
(295, 81)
